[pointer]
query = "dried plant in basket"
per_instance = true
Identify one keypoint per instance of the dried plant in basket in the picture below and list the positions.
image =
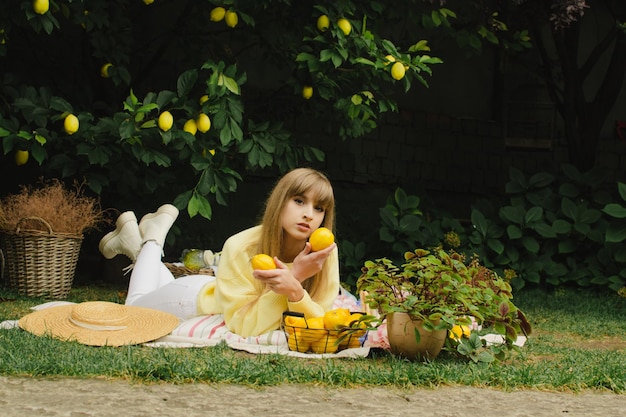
(67, 211)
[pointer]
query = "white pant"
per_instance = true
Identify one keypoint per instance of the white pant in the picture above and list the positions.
(153, 285)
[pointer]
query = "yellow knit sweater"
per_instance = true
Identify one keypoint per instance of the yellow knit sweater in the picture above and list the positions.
(249, 308)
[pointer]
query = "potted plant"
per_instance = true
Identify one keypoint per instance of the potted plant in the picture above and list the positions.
(41, 232)
(435, 293)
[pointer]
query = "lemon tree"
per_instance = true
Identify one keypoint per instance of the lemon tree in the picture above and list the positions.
(122, 66)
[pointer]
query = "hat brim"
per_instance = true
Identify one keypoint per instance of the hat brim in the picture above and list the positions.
(143, 325)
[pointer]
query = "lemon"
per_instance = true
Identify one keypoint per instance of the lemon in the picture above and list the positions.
(297, 343)
(203, 99)
(321, 238)
(315, 331)
(41, 6)
(190, 127)
(205, 151)
(325, 345)
(203, 123)
(165, 121)
(104, 70)
(263, 261)
(231, 19)
(397, 71)
(390, 59)
(337, 319)
(295, 321)
(459, 331)
(21, 157)
(148, 2)
(70, 124)
(307, 92)
(323, 23)
(353, 343)
(345, 26)
(217, 14)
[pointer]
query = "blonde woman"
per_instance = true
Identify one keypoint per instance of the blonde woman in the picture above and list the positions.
(252, 301)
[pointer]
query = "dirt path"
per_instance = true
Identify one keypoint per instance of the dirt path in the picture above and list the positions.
(102, 398)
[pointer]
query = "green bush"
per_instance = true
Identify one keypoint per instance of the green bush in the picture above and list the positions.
(548, 230)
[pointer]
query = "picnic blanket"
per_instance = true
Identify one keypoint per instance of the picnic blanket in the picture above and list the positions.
(211, 330)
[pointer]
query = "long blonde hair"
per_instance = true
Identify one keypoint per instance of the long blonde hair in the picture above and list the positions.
(297, 182)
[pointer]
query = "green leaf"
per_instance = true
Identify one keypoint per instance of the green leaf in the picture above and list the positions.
(231, 85)
(198, 204)
(540, 180)
(409, 224)
(569, 209)
(544, 230)
(531, 244)
(572, 172)
(513, 232)
(235, 130)
(337, 60)
(616, 234)
(495, 245)
(567, 246)
(164, 98)
(186, 82)
(590, 216)
(479, 222)
(561, 226)
(533, 214)
(615, 210)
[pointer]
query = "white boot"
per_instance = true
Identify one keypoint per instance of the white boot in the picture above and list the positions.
(124, 240)
(154, 226)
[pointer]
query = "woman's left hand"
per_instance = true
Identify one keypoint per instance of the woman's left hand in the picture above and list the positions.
(309, 263)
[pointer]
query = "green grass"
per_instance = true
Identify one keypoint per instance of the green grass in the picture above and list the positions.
(578, 343)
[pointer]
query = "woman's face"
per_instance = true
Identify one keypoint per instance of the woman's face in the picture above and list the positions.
(300, 216)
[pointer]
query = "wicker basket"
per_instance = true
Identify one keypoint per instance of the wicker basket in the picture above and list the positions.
(40, 263)
(305, 338)
(179, 270)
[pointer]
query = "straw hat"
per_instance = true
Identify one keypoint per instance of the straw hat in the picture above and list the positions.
(100, 323)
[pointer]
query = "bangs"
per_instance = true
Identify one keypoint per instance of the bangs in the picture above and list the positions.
(322, 190)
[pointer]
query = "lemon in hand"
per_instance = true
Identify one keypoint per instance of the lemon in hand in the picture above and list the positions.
(70, 124)
(263, 261)
(321, 238)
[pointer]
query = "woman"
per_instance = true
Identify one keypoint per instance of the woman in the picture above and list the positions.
(252, 301)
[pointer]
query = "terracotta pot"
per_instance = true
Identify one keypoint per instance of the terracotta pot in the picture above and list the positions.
(401, 332)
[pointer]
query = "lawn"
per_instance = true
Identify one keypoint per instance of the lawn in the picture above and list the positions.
(578, 343)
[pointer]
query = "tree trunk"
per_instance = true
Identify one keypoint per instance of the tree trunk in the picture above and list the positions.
(567, 78)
